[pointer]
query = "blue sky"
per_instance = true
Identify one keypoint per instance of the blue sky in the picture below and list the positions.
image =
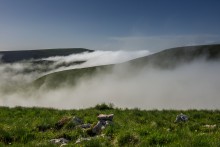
(108, 24)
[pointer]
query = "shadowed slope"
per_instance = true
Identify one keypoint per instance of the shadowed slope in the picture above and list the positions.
(16, 56)
(173, 57)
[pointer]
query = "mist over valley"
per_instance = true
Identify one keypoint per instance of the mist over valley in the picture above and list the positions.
(178, 78)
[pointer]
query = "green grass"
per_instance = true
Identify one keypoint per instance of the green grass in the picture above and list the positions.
(132, 127)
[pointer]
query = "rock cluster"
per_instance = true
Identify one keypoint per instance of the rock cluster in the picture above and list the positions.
(61, 141)
(79, 123)
(104, 120)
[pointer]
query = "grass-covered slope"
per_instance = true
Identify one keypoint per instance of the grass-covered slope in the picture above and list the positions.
(29, 127)
(15, 56)
(57, 79)
(173, 57)
(166, 59)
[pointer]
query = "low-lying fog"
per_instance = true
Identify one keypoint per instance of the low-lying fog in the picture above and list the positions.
(190, 86)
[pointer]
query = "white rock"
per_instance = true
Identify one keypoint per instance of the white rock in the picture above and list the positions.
(181, 118)
(59, 141)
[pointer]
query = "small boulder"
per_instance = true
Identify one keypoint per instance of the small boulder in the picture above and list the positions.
(59, 141)
(82, 139)
(97, 128)
(85, 126)
(181, 118)
(210, 126)
(108, 123)
(77, 121)
(104, 117)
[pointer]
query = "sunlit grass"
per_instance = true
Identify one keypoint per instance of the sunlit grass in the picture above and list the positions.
(132, 127)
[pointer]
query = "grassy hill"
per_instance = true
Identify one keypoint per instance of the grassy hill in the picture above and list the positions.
(29, 127)
(57, 79)
(166, 59)
(16, 56)
(170, 58)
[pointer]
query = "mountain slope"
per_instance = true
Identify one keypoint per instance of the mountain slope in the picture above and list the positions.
(173, 57)
(166, 59)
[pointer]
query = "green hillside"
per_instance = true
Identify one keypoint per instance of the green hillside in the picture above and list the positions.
(166, 59)
(27, 127)
(173, 57)
(57, 79)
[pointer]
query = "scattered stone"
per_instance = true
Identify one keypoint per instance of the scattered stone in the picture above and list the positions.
(59, 141)
(105, 124)
(62, 122)
(104, 117)
(63, 144)
(181, 118)
(85, 126)
(108, 123)
(97, 128)
(82, 139)
(210, 126)
(104, 120)
(77, 121)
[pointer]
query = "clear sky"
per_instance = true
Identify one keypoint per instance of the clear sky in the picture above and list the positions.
(108, 24)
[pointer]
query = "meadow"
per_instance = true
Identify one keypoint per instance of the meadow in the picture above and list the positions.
(20, 126)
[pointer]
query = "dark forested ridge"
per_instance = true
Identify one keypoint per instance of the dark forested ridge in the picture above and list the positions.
(16, 56)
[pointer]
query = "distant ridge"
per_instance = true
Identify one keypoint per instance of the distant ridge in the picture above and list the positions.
(173, 57)
(16, 56)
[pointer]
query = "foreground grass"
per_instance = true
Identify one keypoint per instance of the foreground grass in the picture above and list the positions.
(132, 127)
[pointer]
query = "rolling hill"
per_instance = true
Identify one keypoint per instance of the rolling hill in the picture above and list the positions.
(170, 58)
(166, 59)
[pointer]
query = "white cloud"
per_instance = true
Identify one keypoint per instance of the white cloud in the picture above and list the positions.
(16, 74)
(193, 86)
(190, 86)
(97, 58)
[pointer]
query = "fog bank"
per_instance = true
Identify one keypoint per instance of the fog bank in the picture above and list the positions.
(191, 86)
